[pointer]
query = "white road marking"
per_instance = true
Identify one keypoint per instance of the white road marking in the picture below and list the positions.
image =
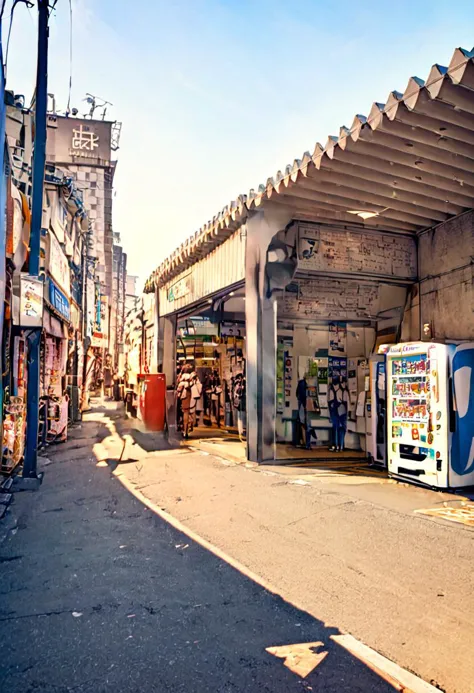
(300, 658)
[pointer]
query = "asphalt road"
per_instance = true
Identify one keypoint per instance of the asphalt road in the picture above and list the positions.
(352, 553)
(98, 594)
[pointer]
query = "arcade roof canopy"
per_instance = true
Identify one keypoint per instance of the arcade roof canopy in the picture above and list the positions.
(405, 167)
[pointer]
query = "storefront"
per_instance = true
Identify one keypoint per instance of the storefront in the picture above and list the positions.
(54, 400)
(336, 255)
(213, 346)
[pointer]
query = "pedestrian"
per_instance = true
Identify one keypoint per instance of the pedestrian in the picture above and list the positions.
(338, 401)
(188, 391)
(239, 396)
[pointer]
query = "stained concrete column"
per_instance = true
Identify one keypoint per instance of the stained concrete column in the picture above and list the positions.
(167, 358)
(261, 335)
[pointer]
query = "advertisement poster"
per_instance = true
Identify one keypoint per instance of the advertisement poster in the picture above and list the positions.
(337, 367)
(100, 336)
(337, 338)
(90, 307)
(280, 392)
(31, 302)
(58, 265)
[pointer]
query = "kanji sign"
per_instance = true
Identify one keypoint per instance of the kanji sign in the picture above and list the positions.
(84, 138)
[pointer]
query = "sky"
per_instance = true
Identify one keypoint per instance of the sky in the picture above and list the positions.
(215, 96)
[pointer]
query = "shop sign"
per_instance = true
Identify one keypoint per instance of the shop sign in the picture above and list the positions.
(58, 265)
(59, 301)
(14, 220)
(76, 138)
(75, 316)
(31, 301)
(181, 288)
(101, 333)
(90, 307)
(232, 330)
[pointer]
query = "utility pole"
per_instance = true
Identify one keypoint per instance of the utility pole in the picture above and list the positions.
(39, 161)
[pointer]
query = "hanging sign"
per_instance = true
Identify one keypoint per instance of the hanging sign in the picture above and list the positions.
(58, 300)
(31, 301)
(90, 296)
(58, 265)
(100, 335)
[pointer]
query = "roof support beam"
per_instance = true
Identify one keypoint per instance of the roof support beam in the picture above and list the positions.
(400, 144)
(332, 213)
(409, 133)
(434, 122)
(405, 158)
(348, 199)
(372, 168)
(390, 194)
(417, 98)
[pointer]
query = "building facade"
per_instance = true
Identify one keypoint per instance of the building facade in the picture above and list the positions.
(84, 147)
(366, 241)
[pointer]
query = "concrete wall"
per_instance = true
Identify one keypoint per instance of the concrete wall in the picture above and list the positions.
(446, 289)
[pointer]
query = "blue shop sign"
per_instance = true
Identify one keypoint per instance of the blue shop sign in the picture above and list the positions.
(59, 301)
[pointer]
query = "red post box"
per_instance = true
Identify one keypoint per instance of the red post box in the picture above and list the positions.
(152, 400)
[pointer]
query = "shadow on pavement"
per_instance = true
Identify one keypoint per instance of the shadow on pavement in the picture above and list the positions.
(98, 593)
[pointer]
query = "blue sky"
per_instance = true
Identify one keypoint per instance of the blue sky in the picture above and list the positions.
(216, 95)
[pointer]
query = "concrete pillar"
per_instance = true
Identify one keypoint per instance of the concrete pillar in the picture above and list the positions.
(167, 357)
(261, 335)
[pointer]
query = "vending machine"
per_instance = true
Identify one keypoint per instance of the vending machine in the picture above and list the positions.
(377, 411)
(429, 414)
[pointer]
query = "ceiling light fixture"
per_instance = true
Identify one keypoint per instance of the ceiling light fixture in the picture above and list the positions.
(362, 214)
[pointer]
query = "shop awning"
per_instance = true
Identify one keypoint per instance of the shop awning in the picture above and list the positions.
(406, 166)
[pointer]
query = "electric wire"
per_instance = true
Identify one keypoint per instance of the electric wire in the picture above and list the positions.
(15, 3)
(70, 59)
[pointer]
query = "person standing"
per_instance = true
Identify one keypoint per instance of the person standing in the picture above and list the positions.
(338, 401)
(239, 397)
(188, 391)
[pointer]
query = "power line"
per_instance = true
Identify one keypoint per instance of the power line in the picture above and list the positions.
(15, 3)
(70, 59)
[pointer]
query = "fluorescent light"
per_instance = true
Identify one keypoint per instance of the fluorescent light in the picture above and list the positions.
(362, 214)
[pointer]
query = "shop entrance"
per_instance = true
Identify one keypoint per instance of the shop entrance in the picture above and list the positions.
(322, 389)
(327, 332)
(210, 371)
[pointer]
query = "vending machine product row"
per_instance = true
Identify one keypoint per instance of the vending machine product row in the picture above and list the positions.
(430, 413)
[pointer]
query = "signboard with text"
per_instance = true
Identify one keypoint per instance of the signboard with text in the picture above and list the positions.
(31, 301)
(78, 140)
(58, 300)
(58, 265)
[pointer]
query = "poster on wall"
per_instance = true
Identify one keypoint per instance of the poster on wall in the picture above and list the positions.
(288, 373)
(308, 244)
(90, 307)
(337, 367)
(31, 301)
(280, 365)
(58, 264)
(337, 338)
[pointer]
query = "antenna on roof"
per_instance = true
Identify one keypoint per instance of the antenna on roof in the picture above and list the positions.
(96, 102)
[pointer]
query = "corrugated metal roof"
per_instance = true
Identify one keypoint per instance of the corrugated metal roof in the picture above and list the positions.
(409, 163)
